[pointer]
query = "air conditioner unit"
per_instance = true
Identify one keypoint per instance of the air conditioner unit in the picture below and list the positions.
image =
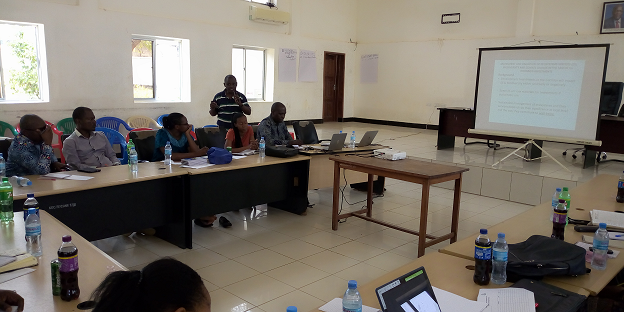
(263, 15)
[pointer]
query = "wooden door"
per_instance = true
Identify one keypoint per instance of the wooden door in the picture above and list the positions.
(333, 86)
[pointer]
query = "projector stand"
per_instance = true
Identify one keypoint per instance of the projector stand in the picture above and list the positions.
(531, 141)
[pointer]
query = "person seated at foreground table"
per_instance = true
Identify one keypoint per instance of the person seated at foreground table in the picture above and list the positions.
(31, 151)
(86, 148)
(165, 285)
(10, 298)
(273, 128)
(241, 136)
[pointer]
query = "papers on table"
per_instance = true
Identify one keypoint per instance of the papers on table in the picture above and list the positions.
(507, 300)
(616, 235)
(60, 175)
(4, 260)
(614, 220)
(612, 243)
(336, 306)
(450, 302)
(196, 163)
(587, 245)
(238, 157)
(4, 277)
(21, 261)
(246, 152)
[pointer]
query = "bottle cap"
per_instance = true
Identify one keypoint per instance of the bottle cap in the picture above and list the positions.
(168, 142)
(558, 189)
(291, 309)
(5, 179)
(66, 238)
(32, 211)
(483, 231)
(562, 201)
(565, 189)
(29, 183)
(352, 284)
(1, 155)
(30, 195)
(602, 225)
(501, 235)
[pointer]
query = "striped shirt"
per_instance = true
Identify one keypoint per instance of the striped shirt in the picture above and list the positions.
(228, 107)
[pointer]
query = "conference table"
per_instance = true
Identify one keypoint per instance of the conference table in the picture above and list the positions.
(36, 287)
(415, 171)
(598, 193)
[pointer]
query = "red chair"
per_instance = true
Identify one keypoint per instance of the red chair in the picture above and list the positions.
(58, 133)
(136, 129)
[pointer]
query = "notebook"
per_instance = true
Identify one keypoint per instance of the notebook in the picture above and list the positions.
(409, 293)
(614, 220)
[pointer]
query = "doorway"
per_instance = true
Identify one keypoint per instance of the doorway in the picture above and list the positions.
(333, 86)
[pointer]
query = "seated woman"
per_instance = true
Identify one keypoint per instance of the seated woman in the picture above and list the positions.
(165, 285)
(177, 131)
(241, 136)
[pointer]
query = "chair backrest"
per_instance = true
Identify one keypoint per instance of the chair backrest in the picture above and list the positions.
(112, 123)
(144, 143)
(66, 125)
(159, 120)
(143, 122)
(4, 126)
(128, 136)
(114, 137)
(4, 147)
(210, 137)
(305, 131)
(611, 97)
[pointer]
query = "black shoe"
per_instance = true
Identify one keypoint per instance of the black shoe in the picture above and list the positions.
(202, 223)
(225, 222)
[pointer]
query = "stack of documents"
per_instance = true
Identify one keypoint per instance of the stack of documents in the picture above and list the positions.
(195, 163)
(614, 220)
(15, 262)
(60, 175)
(246, 152)
(507, 299)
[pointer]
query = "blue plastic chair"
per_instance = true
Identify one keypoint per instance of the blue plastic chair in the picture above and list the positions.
(159, 120)
(210, 126)
(114, 137)
(112, 123)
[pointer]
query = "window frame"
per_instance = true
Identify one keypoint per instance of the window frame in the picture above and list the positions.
(264, 71)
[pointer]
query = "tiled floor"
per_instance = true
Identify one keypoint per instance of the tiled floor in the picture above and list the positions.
(270, 259)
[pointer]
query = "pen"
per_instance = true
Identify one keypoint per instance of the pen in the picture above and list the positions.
(619, 235)
(609, 251)
(558, 294)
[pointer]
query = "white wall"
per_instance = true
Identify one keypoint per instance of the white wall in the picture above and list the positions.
(81, 31)
(423, 63)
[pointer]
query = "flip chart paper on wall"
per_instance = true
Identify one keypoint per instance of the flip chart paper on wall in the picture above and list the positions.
(287, 67)
(368, 68)
(307, 65)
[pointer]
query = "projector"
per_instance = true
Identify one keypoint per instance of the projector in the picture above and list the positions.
(389, 154)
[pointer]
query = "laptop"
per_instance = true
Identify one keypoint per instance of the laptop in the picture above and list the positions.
(411, 292)
(336, 144)
(367, 139)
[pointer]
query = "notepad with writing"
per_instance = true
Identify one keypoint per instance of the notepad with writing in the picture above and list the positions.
(614, 220)
(507, 299)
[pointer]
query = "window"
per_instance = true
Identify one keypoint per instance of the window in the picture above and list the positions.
(160, 70)
(23, 75)
(248, 66)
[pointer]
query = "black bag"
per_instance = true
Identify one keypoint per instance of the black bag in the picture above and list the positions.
(540, 256)
(281, 151)
(552, 298)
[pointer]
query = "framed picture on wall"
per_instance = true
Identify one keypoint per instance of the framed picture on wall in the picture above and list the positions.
(612, 21)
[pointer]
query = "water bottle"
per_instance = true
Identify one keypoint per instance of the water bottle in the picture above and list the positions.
(619, 198)
(601, 246)
(33, 233)
(262, 147)
(499, 260)
(29, 203)
(130, 145)
(483, 259)
(68, 258)
(555, 202)
(352, 142)
(352, 301)
(291, 309)
(168, 154)
(6, 201)
(21, 181)
(133, 160)
(2, 167)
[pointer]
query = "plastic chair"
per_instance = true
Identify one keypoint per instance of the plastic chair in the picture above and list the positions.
(58, 145)
(143, 122)
(66, 125)
(136, 129)
(4, 126)
(159, 120)
(114, 137)
(112, 123)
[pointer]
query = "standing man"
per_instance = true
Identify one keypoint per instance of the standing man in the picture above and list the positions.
(228, 102)
(273, 128)
(615, 21)
(85, 147)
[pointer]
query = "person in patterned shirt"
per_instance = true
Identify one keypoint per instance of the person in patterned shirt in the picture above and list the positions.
(30, 152)
(228, 102)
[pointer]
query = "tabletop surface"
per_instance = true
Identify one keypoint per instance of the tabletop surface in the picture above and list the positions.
(247, 162)
(411, 167)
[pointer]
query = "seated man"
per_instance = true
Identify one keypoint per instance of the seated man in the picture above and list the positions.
(86, 148)
(30, 152)
(273, 128)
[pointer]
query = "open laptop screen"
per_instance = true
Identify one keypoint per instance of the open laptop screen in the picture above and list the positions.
(411, 292)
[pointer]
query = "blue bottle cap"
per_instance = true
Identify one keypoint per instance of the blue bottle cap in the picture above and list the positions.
(558, 189)
(168, 142)
(352, 284)
(29, 183)
(501, 235)
(32, 211)
(483, 231)
(291, 309)
(30, 195)
(602, 225)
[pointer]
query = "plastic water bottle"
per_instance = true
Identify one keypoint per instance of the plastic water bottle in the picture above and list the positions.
(130, 145)
(168, 154)
(262, 147)
(291, 309)
(29, 203)
(601, 246)
(133, 160)
(68, 258)
(620, 194)
(352, 142)
(6, 201)
(21, 181)
(2, 166)
(499, 260)
(33, 233)
(555, 202)
(352, 301)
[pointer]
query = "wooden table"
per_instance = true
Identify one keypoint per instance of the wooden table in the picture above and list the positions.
(410, 170)
(598, 193)
(36, 287)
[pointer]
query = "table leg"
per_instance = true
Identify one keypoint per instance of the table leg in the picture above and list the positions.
(369, 197)
(424, 209)
(336, 199)
(456, 200)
